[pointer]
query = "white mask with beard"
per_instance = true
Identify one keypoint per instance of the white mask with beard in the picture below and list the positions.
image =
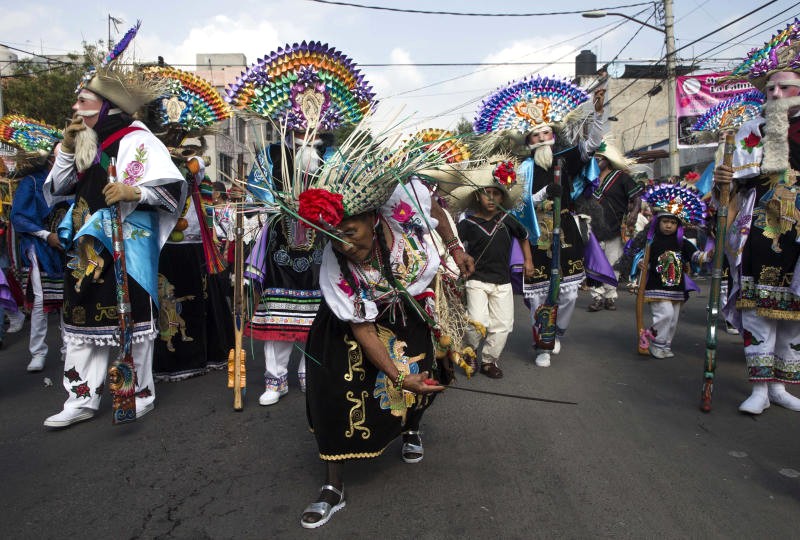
(776, 131)
(85, 148)
(543, 153)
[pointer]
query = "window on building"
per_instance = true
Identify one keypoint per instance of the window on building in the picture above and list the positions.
(241, 131)
(225, 168)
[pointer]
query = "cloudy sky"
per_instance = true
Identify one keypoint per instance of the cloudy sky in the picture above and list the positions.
(435, 95)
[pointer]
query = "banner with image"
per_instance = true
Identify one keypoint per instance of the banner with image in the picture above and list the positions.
(695, 94)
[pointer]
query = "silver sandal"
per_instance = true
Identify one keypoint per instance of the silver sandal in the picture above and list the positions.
(324, 509)
(411, 449)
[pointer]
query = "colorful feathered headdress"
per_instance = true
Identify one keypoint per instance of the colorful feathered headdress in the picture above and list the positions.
(188, 100)
(125, 87)
(528, 104)
(731, 113)
(781, 53)
(302, 87)
(451, 147)
(683, 202)
(28, 136)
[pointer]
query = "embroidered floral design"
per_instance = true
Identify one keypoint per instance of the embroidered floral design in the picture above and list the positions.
(144, 392)
(402, 212)
(348, 290)
(82, 390)
(750, 142)
(72, 375)
(99, 389)
(135, 169)
(750, 339)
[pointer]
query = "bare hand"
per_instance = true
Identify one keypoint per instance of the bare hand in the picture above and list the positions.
(118, 191)
(415, 382)
(723, 175)
(71, 133)
(529, 269)
(598, 99)
(465, 263)
(54, 242)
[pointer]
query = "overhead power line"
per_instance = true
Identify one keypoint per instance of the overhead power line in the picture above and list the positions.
(467, 14)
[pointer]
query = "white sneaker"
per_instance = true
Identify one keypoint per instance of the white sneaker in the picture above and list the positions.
(785, 400)
(557, 346)
(67, 417)
(542, 359)
(36, 364)
(755, 404)
(16, 321)
(270, 397)
(730, 329)
(668, 352)
(657, 352)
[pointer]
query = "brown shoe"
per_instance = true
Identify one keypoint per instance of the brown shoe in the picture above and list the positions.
(596, 305)
(610, 304)
(491, 371)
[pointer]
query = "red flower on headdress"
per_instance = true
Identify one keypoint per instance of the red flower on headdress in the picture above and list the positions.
(504, 173)
(321, 207)
(692, 176)
(751, 141)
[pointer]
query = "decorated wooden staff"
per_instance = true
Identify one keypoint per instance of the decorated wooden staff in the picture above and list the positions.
(236, 369)
(710, 365)
(121, 374)
(544, 326)
(644, 335)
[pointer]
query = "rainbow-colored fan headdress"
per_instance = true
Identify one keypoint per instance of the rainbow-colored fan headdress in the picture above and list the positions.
(28, 135)
(683, 202)
(189, 101)
(528, 104)
(781, 53)
(304, 87)
(446, 143)
(731, 113)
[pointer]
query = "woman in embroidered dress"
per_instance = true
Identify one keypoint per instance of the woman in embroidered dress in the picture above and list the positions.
(371, 370)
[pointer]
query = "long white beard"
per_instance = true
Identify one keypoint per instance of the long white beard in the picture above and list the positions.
(85, 148)
(543, 155)
(776, 131)
(306, 160)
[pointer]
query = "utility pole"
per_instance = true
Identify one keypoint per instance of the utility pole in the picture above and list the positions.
(669, 31)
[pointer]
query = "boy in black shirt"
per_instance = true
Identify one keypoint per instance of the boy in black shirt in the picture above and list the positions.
(487, 235)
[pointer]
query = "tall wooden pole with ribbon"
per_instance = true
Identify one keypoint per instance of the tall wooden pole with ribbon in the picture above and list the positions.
(237, 357)
(121, 374)
(710, 364)
(545, 317)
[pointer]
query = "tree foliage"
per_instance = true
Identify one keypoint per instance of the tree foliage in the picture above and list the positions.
(464, 127)
(45, 91)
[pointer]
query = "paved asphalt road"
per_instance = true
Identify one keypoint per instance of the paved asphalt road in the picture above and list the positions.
(634, 459)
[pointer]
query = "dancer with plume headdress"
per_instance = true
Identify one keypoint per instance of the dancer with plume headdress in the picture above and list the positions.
(306, 91)
(195, 322)
(530, 113)
(761, 245)
(147, 199)
(39, 256)
(665, 259)
(371, 369)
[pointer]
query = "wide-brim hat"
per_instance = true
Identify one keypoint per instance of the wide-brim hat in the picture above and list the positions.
(497, 172)
(614, 157)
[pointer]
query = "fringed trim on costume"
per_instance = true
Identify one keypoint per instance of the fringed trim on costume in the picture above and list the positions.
(777, 314)
(745, 304)
(361, 455)
(106, 340)
(656, 295)
(569, 284)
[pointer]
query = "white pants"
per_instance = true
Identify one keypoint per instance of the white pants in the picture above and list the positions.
(567, 298)
(665, 322)
(276, 358)
(769, 348)
(613, 250)
(86, 366)
(493, 306)
(38, 344)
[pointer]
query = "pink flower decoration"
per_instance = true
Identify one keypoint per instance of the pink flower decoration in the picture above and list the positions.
(348, 290)
(402, 212)
(134, 171)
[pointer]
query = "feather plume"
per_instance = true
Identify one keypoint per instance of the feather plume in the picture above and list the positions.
(120, 47)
